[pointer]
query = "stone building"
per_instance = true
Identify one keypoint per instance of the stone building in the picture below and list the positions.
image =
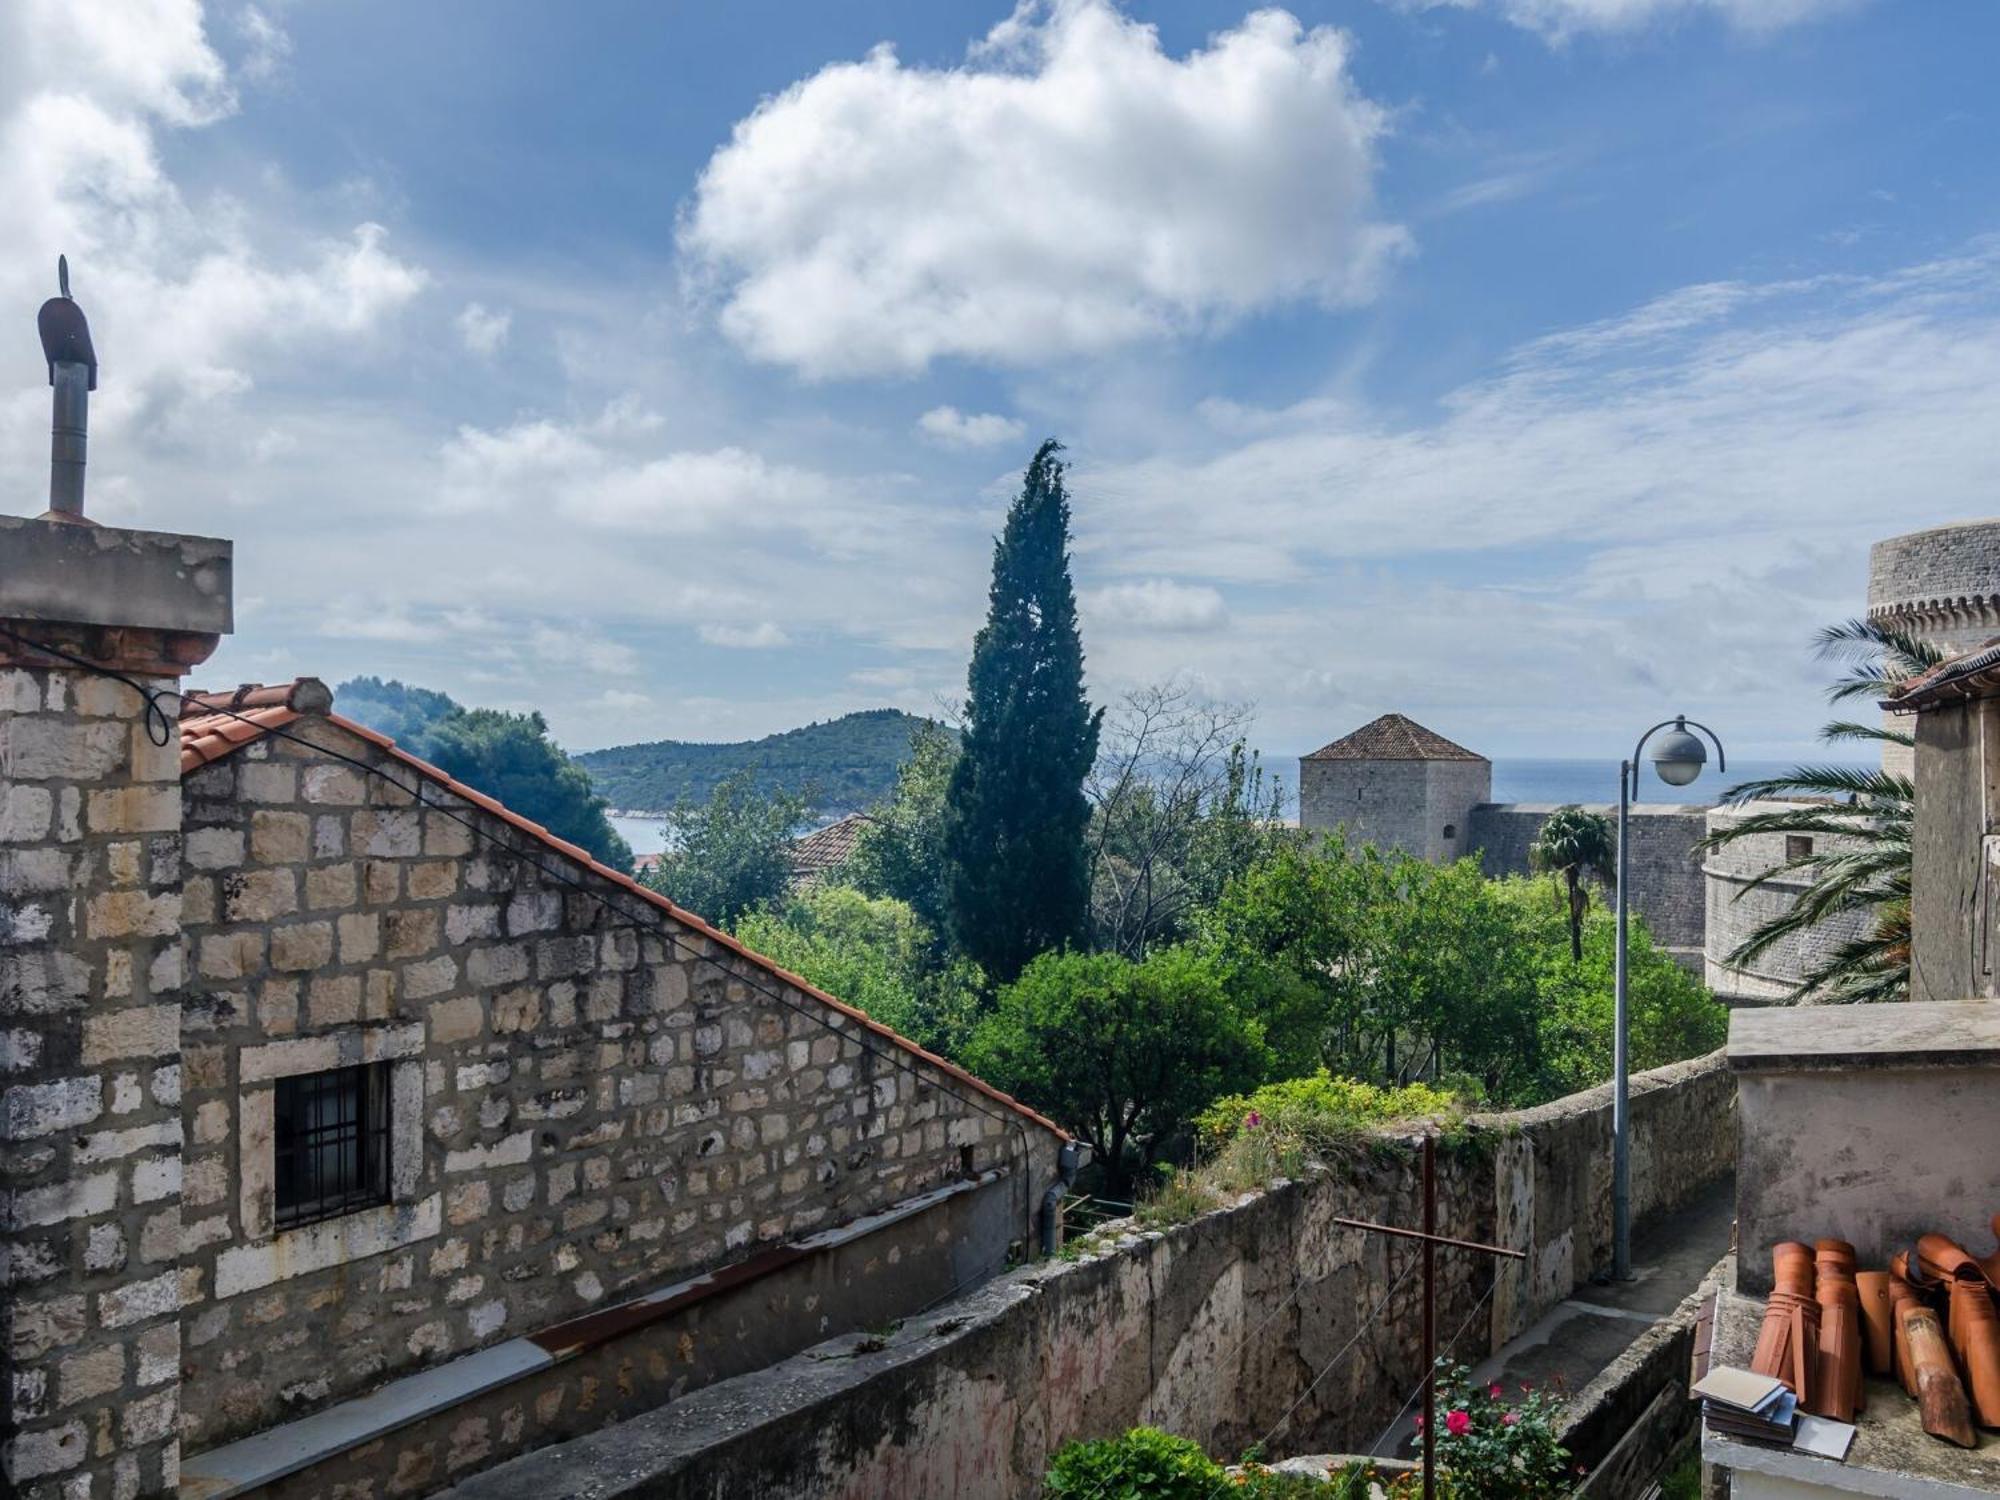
(338, 1100)
(1397, 785)
(1940, 585)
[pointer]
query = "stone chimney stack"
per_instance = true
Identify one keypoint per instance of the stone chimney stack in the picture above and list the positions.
(91, 970)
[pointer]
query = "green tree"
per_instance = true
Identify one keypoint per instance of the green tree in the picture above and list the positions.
(730, 854)
(1857, 824)
(1124, 1053)
(1382, 967)
(874, 952)
(511, 758)
(901, 852)
(1577, 846)
(400, 710)
(1673, 1016)
(1018, 882)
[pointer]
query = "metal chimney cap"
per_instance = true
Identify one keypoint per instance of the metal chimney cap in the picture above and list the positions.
(65, 332)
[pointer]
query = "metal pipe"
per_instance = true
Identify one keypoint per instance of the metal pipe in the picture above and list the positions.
(1430, 1316)
(69, 438)
(1435, 1239)
(1621, 1102)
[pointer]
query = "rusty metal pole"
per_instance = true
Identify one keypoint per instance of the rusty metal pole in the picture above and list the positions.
(1430, 1317)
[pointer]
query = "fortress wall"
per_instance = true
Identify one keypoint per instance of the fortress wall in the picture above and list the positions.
(1942, 585)
(1667, 882)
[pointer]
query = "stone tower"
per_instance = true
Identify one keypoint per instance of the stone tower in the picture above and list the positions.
(1942, 585)
(1397, 785)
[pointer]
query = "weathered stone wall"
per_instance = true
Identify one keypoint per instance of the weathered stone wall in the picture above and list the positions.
(1942, 585)
(585, 1107)
(90, 1122)
(1736, 909)
(1667, 885)
(1421, 807)
(1263, 1322)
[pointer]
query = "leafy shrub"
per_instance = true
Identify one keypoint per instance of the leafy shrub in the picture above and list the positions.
(1144, 1464)
(1147, 1464)
(1318, 1109)
(1496, 1451)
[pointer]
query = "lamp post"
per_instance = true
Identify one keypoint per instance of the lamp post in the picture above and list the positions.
(1678, 758)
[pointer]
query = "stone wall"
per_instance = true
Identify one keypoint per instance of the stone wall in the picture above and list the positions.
(90, 1119)
(1942, 585)
(590, 1100)
(1266, 1321)
(1667, 883)
(1421, 807)
(1736, 909)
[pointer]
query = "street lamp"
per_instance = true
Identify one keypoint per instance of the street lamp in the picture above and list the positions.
(1678, 758)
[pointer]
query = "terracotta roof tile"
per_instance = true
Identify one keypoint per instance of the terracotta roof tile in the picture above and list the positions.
(827, 848)
(207, 734)
(1394, 737)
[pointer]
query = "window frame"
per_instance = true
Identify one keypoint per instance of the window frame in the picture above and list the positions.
(356, 1139)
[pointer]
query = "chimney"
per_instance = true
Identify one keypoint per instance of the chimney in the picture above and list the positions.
(91, 971)
(73, 373)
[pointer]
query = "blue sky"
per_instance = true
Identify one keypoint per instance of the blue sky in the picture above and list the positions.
(1535, 367)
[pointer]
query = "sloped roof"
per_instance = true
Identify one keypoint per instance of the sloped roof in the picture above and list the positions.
(827, 848)
(1971, 674)
(211, 730)
(1393, 737)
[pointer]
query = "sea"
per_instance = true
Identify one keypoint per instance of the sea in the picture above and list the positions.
(1596, 781)
(1558, 781)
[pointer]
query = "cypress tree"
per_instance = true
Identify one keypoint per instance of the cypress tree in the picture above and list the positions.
(1018, 881)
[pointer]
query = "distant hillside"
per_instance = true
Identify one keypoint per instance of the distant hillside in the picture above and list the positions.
(850, 763)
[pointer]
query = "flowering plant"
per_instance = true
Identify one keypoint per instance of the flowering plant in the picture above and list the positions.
(1496, 1450)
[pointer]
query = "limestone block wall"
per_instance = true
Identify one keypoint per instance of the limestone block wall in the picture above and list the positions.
(1265, 1321)
(90, 1090)
(583, 1108)
(1735, 910)
(1667, 883)
(1420, 807)
(1942, 585)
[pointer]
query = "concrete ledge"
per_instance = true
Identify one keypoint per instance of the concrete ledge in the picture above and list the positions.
(153, 580)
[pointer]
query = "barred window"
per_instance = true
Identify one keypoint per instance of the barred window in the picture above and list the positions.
(331, 1132)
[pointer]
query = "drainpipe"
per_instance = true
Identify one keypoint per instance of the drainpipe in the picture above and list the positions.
(1067, 1161)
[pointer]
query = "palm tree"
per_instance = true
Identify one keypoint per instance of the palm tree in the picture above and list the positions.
(1861, 872)
(1578, 846)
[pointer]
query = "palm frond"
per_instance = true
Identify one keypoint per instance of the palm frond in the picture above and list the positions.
(1846, 729)
(1826, 781)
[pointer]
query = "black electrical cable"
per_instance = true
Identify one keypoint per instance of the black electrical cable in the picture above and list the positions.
(169, 728)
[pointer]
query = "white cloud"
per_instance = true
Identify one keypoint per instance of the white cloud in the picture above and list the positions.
(1561, 19)
(188, 300)
(482, 329)
(762, 636)
(1071, 188)
(1155, 604)
(268, 44)
(956, 429)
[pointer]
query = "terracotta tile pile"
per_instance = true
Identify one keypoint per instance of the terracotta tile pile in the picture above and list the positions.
(1930, 1320)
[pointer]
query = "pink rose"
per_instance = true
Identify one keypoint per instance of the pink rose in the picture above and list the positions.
(1510, 1419)
(1458, 1423)
(1493, 1390)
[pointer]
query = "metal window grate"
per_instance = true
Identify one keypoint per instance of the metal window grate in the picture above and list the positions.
(332, 1140)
